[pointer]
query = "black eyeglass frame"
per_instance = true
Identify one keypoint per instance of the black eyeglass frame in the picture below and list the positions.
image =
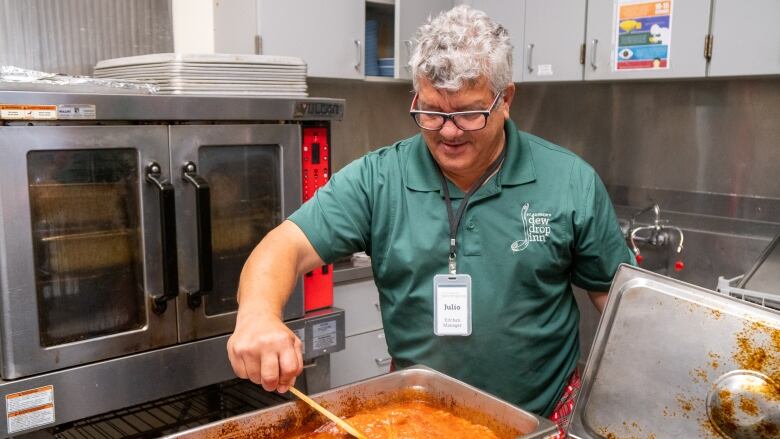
(451, 116)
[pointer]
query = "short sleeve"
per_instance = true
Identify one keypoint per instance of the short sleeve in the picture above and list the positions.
(599, 245)
(337, 219)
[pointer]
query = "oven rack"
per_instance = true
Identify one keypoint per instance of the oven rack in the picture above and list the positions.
(176, 413)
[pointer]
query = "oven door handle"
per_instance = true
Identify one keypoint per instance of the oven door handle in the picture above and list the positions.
(168, 238)
(203, 216)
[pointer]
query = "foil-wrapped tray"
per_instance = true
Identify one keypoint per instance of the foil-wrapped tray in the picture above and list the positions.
(463, 400)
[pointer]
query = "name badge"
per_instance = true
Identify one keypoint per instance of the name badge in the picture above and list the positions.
(452, 304)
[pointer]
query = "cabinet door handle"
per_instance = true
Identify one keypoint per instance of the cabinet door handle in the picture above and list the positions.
(408, 45)
(359, 52)
(593, 45)
(167, 237)
(529, 58)
(382, 362)
(203, 218)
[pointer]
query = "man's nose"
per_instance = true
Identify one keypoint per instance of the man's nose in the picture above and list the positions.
(450, 130)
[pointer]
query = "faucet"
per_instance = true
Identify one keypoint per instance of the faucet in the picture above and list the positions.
(659, 234)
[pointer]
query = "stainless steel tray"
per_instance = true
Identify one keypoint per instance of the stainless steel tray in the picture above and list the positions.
(672, 360)
(467, 401)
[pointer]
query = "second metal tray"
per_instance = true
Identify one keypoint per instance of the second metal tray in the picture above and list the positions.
(675, 360)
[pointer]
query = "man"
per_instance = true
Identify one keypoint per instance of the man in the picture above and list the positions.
(537, 219)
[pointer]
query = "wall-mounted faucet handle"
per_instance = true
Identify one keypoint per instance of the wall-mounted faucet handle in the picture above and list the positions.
(632, 237)
(682, 237)
(679, 264)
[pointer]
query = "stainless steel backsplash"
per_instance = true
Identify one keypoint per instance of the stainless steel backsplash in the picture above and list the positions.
(70, 36)
(705, 136)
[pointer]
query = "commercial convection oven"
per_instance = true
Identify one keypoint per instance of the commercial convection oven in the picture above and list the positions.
(125, 221)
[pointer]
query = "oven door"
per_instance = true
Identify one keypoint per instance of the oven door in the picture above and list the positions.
(234, 183)
(82, 235)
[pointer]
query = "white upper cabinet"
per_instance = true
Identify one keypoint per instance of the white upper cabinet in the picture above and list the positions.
(622, 39)
(409, 15)
(554, 35)
(510, 14)
(744, 42)
(235, 25)
(644, 36)
(328, 35)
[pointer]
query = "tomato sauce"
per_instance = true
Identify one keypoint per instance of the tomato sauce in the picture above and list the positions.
(405, 420)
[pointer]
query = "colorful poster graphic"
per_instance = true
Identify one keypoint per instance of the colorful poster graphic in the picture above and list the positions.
(643, 34)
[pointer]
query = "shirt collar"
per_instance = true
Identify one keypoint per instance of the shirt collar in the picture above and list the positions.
(422, 174)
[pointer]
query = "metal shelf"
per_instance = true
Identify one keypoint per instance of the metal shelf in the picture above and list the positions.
(173, 414)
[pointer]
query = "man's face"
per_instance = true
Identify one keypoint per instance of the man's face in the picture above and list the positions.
(464, 155)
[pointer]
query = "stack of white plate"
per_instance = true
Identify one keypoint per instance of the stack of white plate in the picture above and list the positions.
(212, 74)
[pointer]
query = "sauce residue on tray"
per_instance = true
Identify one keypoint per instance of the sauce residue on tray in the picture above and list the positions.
(405, 420)
(751, 354)
(757, 349)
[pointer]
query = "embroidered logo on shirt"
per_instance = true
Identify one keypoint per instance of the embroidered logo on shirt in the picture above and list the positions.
(536, 228)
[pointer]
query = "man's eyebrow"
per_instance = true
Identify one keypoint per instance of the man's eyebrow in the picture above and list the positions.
(470, 107)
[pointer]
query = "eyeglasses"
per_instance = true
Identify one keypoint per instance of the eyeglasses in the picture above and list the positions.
(464, 120)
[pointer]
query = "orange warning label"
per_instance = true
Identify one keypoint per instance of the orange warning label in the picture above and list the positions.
(29, 408)
(28, 112)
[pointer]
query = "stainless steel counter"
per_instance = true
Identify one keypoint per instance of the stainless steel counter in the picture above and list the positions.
(350, 271)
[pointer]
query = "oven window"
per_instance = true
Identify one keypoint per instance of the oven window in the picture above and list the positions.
(86, 224)
(246, 203)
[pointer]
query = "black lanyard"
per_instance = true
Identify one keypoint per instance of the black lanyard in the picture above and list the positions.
(455, 220)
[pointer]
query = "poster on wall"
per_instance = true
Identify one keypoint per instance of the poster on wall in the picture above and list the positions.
(643, 35)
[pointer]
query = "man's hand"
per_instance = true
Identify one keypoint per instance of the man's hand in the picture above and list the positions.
(262, 348)
(265, 351)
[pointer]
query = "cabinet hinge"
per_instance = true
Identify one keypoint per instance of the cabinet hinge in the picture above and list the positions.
(582, 54)
(258, 45)
(708, 47)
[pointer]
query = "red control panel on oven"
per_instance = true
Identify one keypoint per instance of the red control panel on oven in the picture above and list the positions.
(317, 284)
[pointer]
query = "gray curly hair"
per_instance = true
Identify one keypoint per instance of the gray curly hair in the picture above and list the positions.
(460, 45)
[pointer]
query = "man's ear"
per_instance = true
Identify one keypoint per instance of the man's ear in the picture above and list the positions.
(507, 98)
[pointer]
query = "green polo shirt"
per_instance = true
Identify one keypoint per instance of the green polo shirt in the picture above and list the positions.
(543, 222)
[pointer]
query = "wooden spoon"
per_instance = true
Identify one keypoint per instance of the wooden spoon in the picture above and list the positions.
(340, 422)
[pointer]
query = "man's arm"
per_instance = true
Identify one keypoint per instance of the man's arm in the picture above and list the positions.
(262, 348)
(599, 299)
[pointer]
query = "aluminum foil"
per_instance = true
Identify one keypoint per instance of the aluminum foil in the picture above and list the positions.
(12, 77)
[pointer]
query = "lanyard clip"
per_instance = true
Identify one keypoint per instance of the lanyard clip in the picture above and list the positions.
(452, 256)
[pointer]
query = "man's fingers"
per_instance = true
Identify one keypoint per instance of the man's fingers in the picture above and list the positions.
(269, 371)
(288, 369)
(299, 354)
(253, 368)
(238, 364)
